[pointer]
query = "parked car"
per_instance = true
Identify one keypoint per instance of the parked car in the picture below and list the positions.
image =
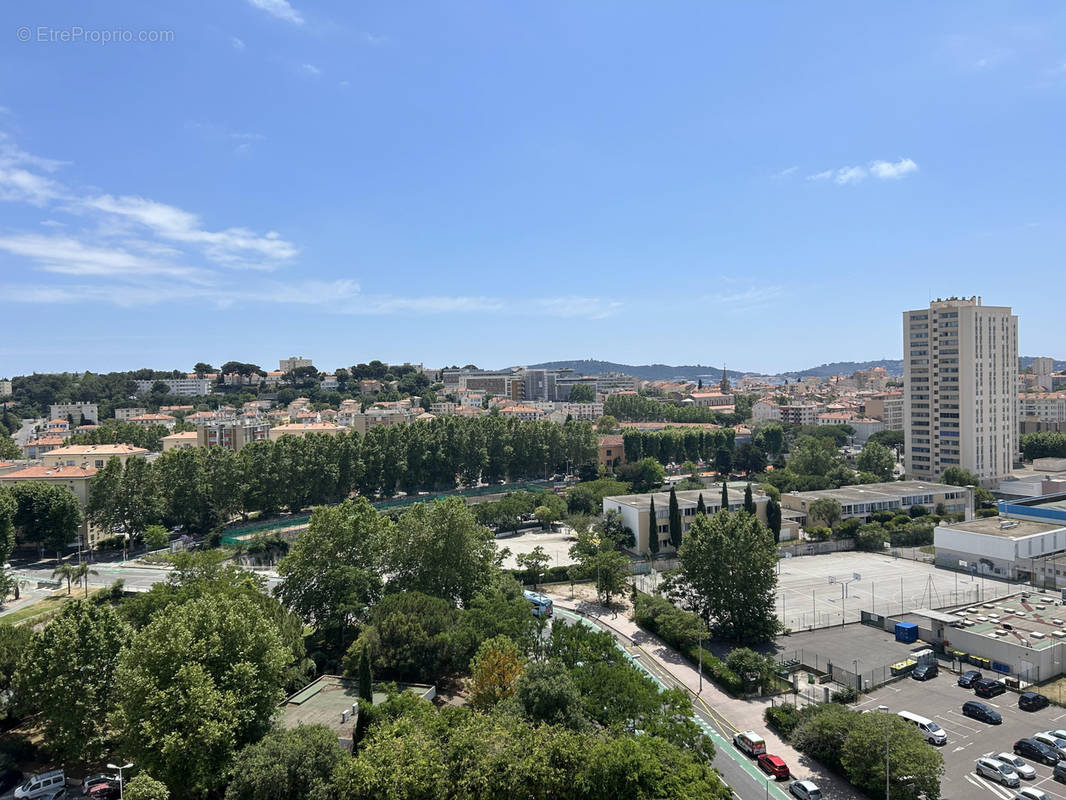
(1060, 771)
(42, 785)
(105, 791)
(805, 790)
(1032, 701)
(968, 678)
(1029, 793)
(924, 672)
(982, 712)
(749, 742)
(1054, 742)
(986, 687)
(774, 765)
(1036, 751)
(92, 780)
(997, 771)
(1024, 770)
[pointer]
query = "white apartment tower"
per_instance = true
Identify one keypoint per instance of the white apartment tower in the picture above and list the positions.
(960, 364)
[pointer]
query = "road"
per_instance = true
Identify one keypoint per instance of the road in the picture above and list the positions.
(743, 776)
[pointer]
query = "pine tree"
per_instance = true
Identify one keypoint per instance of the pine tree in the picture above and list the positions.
(366, 681)
(675, 520)
(701, 507)
(725, 496)
(653, 531)
(749, 504)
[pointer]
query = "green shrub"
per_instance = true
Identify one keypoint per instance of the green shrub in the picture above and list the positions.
(844, 696)
(987, 512)
(782, 719)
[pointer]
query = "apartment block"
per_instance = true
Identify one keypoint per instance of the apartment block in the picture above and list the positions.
(94, 456)
(293, 362)
(297, 429)
(180, 441)
(232, 433)
(80, 412)
(864, 500)
(960, 389)
(190, 386)
(151, 420)
(1043, 406)
(123, 414)
(888, 408)
(74, 478)
(5, 387)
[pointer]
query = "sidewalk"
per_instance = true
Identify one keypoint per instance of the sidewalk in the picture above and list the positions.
(732, 713)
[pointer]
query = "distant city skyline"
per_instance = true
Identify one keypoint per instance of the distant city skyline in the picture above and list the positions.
(500, 184)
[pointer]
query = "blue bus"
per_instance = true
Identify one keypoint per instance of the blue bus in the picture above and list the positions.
(542, 604)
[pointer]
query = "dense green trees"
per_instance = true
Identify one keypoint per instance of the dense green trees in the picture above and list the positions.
(958, 476)
(199, 488)
(877, 459)
(46, 514)
(825, 511)
(643, 475)
(582, 393)
(69, 675)
(199, 681)
(287, 764)
(145, 787)
(1043, 445)
(115, 432)
(676, 444)
(728, 576)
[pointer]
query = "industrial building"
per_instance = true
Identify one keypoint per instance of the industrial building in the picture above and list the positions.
(863, 500)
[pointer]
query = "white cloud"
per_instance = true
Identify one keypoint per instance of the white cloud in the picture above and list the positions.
(785, 172)
(576, 306)
(280, 9)
(310, 69)
(883, 170)
(888, 170)
(236, 42)
(67, 255)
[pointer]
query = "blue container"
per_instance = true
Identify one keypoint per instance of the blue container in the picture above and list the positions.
(906, 632)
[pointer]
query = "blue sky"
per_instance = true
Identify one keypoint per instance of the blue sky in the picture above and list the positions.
(767, 185)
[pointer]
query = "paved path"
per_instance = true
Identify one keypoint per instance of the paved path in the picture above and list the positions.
(719, 714)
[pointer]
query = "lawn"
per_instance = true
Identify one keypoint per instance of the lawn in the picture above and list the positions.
(46, 606)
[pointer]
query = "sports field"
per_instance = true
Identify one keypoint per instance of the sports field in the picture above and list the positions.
(886, 586)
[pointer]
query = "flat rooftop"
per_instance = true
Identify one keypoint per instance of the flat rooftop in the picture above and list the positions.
(1051, 502)
(875, 491)
(992, 526)
(322, 703)
(1038, 622)
(712, 495)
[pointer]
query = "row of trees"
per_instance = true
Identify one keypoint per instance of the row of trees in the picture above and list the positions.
(113, 431)
(675, 445)
(1043, 445)
(638, 408)
(199, 488)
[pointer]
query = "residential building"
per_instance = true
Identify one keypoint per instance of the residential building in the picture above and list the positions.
(172, 410)
(192, 385)
(614, 382)
(583, 412)
(1043, 406)
(123, 414)
(151, 420)
(611, 452)
(91, 455)
(78, 412)
(565, 383)
(1043, 366)
(525, 413)
(74, 478)
(863, 500)
(636, 512)
(5, 387)
(374, 417)
(181, 441)
(35, 448)
(960, 389)
(764, 410)
(801, 413)
(232, 433)
(711, 399)
(57, 427)
(296, 429)
(887, 407)
(293, 362)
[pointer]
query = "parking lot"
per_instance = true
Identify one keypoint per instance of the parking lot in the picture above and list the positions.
(940, 699)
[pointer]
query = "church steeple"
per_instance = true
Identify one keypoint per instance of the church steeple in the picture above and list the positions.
(724, 383)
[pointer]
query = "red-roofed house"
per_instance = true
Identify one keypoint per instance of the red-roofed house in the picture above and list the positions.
(76, 479)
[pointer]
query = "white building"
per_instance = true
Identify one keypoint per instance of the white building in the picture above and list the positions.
(293, 362)
(763, 410)
(123, 414)
(189, 386)
(1044, 406)
(960, 361)
(80, 412)
(5, 387)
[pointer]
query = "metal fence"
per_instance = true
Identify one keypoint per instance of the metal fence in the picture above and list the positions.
(826, 671)
(815, 548)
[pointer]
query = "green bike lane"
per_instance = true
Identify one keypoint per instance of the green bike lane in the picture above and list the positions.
(741, 773)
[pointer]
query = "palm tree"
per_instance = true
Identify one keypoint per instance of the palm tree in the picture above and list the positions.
(65, 572)
(82, 573)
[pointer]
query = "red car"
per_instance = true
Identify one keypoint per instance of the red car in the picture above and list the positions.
(774, 765)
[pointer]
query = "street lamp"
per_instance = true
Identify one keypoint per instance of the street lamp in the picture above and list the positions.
(124, 766)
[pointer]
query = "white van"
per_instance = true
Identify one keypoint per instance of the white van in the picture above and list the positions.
(932, 732)
(43, 784)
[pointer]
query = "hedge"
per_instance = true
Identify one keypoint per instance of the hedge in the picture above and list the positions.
(659, 616)
(550, 575)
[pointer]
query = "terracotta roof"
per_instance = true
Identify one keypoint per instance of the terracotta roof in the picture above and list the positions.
(147, 417)
(99, 450)
(41, 471)
(182, 435)
(58, 421)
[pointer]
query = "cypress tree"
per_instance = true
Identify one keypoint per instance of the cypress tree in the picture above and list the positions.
(725, 496)
(653, 531)
(749, 504)
(773, 518)
(675, 520)
(366, 681)
(701, 508)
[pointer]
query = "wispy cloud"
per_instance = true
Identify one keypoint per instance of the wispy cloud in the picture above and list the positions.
(882, 170)
(241, 141)
(70, 256)
(575, 306)
(310, 69)
(280, 9)
(753, 298)
(236, 42)
(891, 170)
(785, 172)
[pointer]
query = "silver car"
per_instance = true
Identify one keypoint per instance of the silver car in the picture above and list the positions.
(997, 771)
(1023, 769)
